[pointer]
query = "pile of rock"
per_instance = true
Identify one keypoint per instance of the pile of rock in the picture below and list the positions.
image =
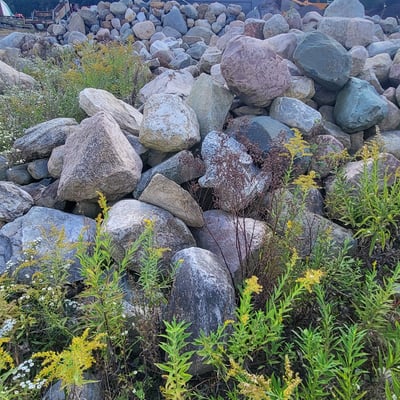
(335, 78)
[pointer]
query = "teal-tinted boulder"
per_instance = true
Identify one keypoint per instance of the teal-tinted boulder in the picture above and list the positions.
(359, 106)
(323, 59)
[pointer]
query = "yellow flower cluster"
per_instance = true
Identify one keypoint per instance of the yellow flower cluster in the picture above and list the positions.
(252, 286)
(311, 278)
(297, 146)
(306, 182)
(6, 360)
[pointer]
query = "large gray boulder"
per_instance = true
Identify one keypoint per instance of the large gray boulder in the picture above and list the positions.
(10, 77)
(211, 103)
(171, 82)
(296, 114)
(94, 100)
(39, 140)
(358, 106)
(168, 195)
(36, 228)
(126, 221)
(253, 71)
(98, 157)
(349, 32)
(236, 241)
(323, 59)
(14, 201)
(391, 47)
(230, 171)
(175, 20)
(345, 8)
(180, 168)
(169, 124)
(203, 295)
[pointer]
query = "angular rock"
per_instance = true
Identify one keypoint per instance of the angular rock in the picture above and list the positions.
(11, 77)
(300, 88)
(235, 241)
(358, 106)
(296, 114)
(37, 226)
(329, 128)
(175, 20)
(168, 195)
(98, 158)
(39, 140)
(14, 202)
(348, 32)
(359, 55)
(76, 24)
(170, 82)
(118, 8)
(169, 124)
(391, 121)
(323, 59)
(394, 73)
(55, 162)
(230, 171)
(253, 71)
(380, 65)
(203, 295)
(19, 174)
(345, 8)
(386, 46)
(284, 44)
(391, 142)
(211, 103)
(126, 221)
(209, 58)
(180, 168)
(38, 169)
(76, 37)
(94, 100)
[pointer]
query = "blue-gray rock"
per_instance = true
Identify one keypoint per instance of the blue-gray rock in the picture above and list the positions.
(295, 114)
(203, 295)
(234, 240)
(19, 174)
(345, 8)
(118, 8)
(37, 228)
(181, 60)
(190, 11)
(3, 167)
(175, 20)
(126, 221)
(196, 50)
(38, 169)
(76, 24)
(75, 37)
(202, 32)
(323, 59)
(230, 171)
(359, 106)
(323, 160)
(15, 40)
(14, 201)
(275, 25)
(90, 17)
(391, 47)
(180, 168)
(263, 132)
(211, 103)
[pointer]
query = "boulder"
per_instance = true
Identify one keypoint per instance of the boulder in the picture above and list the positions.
(296, 114)
(358, 106)
(19, 174)
(38, 169)
(230, 171)
(175, 20)
(168, 195)
(203, 295)
(211, 103)
(253, 71)
(391, 122)
(380, 65)
(39, 140)
(98, 158)
(394, 72)
(76, 24)
(180, 168)
(118, 8)
(323, 59)
(275, 25)
(11, 77)
(37, 228)
(236, 241)
(169, 124)
(126, 221)
(94, 100)
(55, 162)
(169, 82)
(14, 201)
(348, 32)
(345, 8)
(391, 47)
(390, 141)
(301, 88)
(144, 30)
(212, 56)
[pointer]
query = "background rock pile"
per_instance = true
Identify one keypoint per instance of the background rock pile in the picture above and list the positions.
(222, 82)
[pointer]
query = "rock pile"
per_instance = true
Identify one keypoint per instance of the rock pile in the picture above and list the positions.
(223, 85)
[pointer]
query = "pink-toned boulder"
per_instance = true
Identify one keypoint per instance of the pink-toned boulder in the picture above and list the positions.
(253, 71)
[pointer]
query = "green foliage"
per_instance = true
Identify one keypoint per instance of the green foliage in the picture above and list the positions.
(371, 207)
(177, 362)
(112, 67)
